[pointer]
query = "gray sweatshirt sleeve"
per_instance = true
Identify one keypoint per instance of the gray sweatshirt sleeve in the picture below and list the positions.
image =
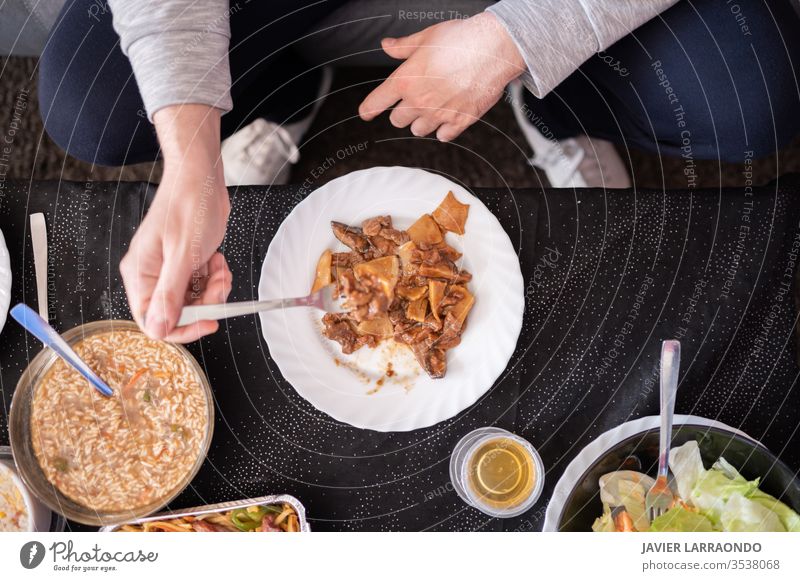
(556, 36)
(178, 50)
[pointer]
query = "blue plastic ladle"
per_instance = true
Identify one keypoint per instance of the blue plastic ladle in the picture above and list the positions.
(39, 328)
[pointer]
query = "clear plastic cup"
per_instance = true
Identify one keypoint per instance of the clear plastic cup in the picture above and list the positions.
(460, 477)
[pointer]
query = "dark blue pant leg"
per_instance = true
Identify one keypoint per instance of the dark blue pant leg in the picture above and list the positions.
(716, 79)
(90, 102)
(88, 97)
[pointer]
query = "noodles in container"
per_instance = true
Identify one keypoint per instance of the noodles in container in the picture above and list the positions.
(266, 514)
(101, 460)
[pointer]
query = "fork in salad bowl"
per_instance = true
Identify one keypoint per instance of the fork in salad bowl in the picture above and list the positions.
(660, 498)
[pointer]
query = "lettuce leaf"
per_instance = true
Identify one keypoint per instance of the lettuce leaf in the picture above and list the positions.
(686, 465)
(740, 514)
(681, 520)
(735, 504)
(713, 490)
(727, 469)
(789, 518)
(604, 524)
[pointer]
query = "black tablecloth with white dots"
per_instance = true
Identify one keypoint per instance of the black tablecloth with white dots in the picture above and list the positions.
(608, 276)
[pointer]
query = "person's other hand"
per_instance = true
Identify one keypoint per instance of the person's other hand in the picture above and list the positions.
(453, 73)
(173, 259)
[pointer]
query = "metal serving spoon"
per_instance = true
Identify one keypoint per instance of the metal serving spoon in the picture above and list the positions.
(39, 328)
(324, 299)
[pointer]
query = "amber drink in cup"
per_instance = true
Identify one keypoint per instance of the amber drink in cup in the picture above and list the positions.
(497, 472)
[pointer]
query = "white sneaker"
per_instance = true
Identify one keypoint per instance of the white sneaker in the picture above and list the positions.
(577, 162)
(263, 152)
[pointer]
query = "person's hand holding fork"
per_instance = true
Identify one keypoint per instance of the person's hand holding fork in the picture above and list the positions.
(173, 259)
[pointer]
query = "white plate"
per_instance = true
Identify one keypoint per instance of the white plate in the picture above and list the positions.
(603, 443)
(5, 281)
(341, 385)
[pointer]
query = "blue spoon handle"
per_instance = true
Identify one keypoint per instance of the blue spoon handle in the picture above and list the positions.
(39, 328)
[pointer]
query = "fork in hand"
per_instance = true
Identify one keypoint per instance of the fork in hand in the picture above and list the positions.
(324, 299)
(660, 498)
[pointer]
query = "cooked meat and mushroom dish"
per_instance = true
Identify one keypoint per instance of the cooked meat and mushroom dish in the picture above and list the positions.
(401, 285)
